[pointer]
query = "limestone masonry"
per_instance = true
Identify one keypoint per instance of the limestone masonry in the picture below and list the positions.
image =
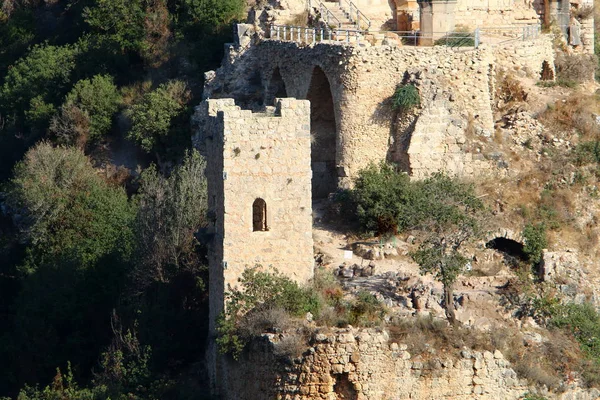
(364, 364)
(332, 117)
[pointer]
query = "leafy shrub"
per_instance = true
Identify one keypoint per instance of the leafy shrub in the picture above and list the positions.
(584, 322)
(99, 98)
(212, 14)
(406, 97)
(260, 291)
(118, 23)
(41, 78)
(66, 210)
(366, 310)
(575, 67)
(457, 39)
(587, 153)
(386, 201)
(151, 118)
(535, 242)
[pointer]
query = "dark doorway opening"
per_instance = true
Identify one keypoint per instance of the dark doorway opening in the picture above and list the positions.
(323, 131)
(344, 389)
(513, 251)
(276, 88)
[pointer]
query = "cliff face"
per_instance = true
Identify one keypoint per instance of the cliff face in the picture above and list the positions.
(362, 364)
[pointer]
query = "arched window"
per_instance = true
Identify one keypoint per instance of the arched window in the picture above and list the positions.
(259, 215)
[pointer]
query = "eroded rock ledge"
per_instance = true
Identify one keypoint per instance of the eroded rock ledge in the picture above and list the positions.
(364, 364)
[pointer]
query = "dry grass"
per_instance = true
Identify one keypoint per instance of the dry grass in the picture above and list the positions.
(508, 90)
(575, 113)
(300, 19)
(576, 68)
(547, 363)
(290, 346)
(584, 12)
(423, 333)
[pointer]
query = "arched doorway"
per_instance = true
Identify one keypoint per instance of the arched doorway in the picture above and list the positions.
(276, 88)
(323, 132)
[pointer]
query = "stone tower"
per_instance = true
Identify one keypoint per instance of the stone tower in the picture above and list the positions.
(259, 189)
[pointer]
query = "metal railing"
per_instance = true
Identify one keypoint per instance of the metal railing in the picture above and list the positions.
(531, 32)
(328, 16)
(509, 33)
(355, 15)
(305, 35)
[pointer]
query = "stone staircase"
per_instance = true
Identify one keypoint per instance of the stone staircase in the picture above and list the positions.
(340, 15)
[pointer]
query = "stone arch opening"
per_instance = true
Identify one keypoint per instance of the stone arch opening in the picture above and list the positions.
(546, 74)
(276, 88)
(259, 216)
(513, 251)
(323, 130)
(344, 389)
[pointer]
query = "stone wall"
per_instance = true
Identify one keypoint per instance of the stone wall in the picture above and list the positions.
(525, 57)
(495, 13)
(251, 158)
(364, 365)
(362, 81)
(456, 88)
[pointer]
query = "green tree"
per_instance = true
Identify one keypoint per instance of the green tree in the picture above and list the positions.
(66, 211)
(171, 210)
(98, 97)
(449, 215)
(152, 117)
(41, 77)
(535, 242)
(17, 31)
(212, 14)
(120, 23)
(88, 110)
(79, 237)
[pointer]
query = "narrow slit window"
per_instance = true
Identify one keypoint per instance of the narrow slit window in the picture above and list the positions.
(259, 215)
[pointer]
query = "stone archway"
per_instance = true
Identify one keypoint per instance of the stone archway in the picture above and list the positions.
(276, 88)
(323, 131)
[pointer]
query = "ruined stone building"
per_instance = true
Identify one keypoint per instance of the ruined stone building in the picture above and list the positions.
(258, 173)
(267, 164)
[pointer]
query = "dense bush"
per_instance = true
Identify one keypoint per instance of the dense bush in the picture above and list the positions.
(260, 291)
(406, 97)
(266, 301)
(37, 81)
(151, 117)
(535, 242)
(387, 201)
(575, 68)
(65, 210)
(99, 99)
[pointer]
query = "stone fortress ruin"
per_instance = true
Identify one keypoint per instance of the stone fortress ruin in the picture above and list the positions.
(294, 113)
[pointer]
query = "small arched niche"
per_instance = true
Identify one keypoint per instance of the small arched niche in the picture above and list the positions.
(259, 216)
